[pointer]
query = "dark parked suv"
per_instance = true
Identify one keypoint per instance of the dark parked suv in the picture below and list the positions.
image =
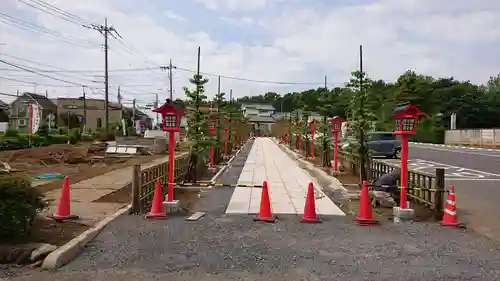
(384, 144)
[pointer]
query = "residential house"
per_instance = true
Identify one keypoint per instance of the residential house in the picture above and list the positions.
(93, 109)
(19, 110)
(4, 116)
(145, 122)
(260, 116)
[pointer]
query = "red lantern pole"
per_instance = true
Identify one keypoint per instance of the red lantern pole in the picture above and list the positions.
(171, 157)
(226, 139)
(212, 149)
(335, 151)
(336, 129)
(299, 142)
(405, 116)
(313, 131)
(404, 170)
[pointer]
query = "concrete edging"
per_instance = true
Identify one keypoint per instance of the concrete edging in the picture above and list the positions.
(221, 171)
(335, 183)
(70, 250)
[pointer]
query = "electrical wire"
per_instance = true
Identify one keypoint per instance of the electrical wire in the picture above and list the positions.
(40, 30)
(56, 12)
(41, 74)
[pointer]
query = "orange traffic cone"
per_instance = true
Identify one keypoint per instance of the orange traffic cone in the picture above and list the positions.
(157, 212)
(365, 217)
(450, 211)
(265, 214)
(63, 211)
(310, 207)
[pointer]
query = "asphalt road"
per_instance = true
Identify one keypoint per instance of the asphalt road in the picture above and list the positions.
(475, 173)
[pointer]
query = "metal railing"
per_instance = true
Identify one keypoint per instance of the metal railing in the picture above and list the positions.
(424, 188)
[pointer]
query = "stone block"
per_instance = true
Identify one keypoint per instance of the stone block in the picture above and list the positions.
(403, 215)
(171, 207)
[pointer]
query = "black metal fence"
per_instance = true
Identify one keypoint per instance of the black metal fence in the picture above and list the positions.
(425, 188)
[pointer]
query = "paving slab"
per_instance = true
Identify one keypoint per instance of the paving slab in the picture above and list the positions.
(287, 183)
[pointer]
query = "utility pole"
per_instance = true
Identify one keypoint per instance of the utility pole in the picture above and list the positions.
(133, 111)
(157, 116)
(105, 30)
(362, 148)
(119, 96)
(219, 103)
(326, 80)
(231, 95)
(84, 108)
(169, 68)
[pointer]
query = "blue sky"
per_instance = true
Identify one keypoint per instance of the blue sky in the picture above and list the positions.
(273, 40)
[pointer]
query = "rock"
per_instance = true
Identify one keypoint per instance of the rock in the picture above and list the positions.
(36, 264)
(383, 198)
(17, 254)
(42, 251)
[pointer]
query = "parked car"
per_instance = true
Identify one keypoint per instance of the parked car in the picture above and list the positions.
(384, 144)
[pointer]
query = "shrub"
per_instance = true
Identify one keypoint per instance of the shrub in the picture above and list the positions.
(11, 133)
(19, 204)
(43, 130)
(57, 139)
(87, 137)
(75, 135)
(62, 130)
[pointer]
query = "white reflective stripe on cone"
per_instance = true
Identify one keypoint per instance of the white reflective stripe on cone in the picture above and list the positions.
(453, 213)
(450, 202)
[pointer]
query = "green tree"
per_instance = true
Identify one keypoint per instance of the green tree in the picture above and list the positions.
(197, 126)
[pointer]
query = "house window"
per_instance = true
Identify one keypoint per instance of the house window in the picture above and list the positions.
(21, 122)
(99, 122)
(22, 111)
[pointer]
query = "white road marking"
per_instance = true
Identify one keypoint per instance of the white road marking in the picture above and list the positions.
(460, 151)
(451, 172)
(455, 146)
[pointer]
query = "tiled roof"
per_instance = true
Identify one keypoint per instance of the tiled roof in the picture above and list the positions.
(263, 106)
(263, 119)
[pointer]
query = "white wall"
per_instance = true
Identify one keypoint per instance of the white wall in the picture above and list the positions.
(4, 126)
(473, 137)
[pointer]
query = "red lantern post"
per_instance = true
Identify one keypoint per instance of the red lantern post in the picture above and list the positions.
(171, 117)
(336, 129)
(313, 132)
(299, 141)
(226, 136)
(212, 124)
(405, 124)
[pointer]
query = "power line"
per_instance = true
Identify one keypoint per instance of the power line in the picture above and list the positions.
(56, 12)
(41, 74)
(94, 70)
(255, 80)
(40, 30)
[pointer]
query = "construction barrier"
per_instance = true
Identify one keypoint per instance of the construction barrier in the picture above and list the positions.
(204, 184)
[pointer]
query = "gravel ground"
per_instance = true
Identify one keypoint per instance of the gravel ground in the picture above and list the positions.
(233, 247)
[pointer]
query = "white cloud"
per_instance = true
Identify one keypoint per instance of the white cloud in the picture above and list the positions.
(298, 42)
(174, 16)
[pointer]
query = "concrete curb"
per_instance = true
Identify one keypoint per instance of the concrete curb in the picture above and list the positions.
(335, 183)
(456, 146)
(70, 250)
(221, 171)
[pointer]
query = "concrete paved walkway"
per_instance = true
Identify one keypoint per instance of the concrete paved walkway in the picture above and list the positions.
(287, 183)
(84, 193)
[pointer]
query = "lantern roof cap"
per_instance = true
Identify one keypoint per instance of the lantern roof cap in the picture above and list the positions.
(168, 107)
(407, 109)
(337, 119)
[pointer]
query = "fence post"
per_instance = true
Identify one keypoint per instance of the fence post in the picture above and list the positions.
(438, 194)
(136, 174)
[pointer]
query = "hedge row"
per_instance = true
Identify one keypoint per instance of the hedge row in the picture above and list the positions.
(19, 204)
(20, 141)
